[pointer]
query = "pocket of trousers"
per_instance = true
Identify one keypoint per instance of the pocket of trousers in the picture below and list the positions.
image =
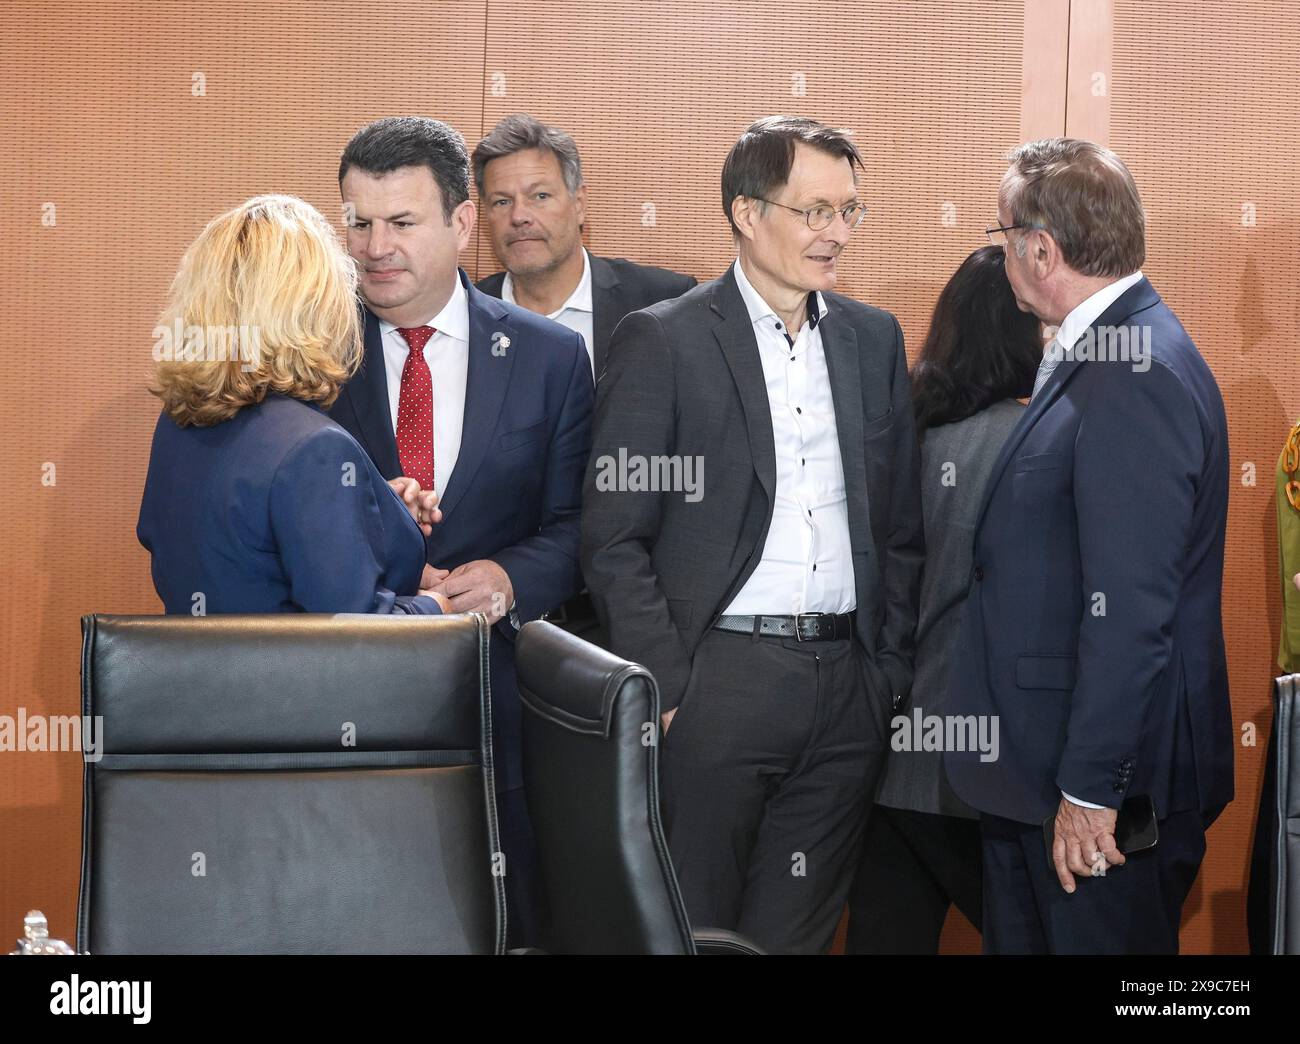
(690, 694)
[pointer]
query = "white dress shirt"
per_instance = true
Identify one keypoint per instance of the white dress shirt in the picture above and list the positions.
(576, 313)
(1072, 327)
(807, 566)
(447, 354)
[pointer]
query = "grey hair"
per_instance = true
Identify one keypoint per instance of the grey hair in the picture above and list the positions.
(1083, 195)
(522, 131)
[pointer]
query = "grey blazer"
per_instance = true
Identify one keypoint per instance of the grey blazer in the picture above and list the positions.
(965, 451)
(684, 379)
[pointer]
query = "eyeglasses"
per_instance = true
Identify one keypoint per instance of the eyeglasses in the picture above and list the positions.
(821, 217)
(998, 234)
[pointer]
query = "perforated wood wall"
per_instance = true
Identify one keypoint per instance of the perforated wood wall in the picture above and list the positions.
(128, 126)
(1205, 108)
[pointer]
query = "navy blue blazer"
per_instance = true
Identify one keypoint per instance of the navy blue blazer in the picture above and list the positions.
(515, 495)
(1093, 627)
(276, 510)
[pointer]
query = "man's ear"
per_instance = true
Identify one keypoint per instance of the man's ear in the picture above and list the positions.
(580, 203)
(744, 212)
(1044, 253)
(463, 219)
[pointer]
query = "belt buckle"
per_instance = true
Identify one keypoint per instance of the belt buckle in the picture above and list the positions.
(798, 620)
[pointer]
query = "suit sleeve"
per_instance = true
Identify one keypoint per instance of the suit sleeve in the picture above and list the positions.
(904, 552)
(329, 530)
(1138, 456)
(635, 407)
(543, 569)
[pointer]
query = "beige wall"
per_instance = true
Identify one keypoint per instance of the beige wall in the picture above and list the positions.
(113, 134)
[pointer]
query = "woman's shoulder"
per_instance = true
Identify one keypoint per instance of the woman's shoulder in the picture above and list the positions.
(263, 436)
(1001, 416)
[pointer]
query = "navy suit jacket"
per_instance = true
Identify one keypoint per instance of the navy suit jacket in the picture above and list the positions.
(515, 495)
(1093, 627)
(276, 510)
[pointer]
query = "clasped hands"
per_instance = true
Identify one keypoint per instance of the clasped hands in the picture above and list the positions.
(480, 586)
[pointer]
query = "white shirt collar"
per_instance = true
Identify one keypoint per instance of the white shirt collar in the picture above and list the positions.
(759, 309)
(1090, 309)
(453, 320)
(579, 300)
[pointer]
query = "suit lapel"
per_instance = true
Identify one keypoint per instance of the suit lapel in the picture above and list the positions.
(486, 383)
(735, 335)
(606, 309)
(1139, 296)
(840, 346)
(369, 393)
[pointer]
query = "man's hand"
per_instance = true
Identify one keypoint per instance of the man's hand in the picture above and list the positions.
(1085, 837)
(478, 587)
(421, 503)
(667, 717)
(438, 597)
(1296, 580)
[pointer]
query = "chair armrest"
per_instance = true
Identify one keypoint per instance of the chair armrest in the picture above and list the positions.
(721, 941)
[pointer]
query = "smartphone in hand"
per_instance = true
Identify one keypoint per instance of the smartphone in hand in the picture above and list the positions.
(1135, 826)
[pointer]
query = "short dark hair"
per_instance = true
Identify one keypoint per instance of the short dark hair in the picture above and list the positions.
(981, 348)
(1083, 195)
(412, 141)
(760, 161)
(522, 131)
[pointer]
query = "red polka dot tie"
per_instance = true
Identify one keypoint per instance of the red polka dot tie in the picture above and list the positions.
(415, 409)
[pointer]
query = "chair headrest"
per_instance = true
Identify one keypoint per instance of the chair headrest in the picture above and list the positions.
(152, 678)
(571, 682)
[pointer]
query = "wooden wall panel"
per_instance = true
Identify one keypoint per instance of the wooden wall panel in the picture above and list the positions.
(655, 94)
(1204, 107)
(100, 119)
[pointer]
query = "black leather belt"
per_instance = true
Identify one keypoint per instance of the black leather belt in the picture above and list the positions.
(806, 627)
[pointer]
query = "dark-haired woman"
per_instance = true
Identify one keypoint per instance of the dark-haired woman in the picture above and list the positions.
(922, 847)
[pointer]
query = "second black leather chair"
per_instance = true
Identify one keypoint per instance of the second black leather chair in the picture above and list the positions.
(591, 762)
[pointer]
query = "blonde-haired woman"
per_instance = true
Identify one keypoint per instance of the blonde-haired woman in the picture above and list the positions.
(256, 501)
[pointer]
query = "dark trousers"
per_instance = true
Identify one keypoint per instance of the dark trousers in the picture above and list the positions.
(767, 771)
(525, 903)
(1135, 908)
(914, 865)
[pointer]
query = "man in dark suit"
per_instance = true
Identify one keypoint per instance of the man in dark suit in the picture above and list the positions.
(751, 533)
(486, 403)
(1093, 635)
(529, 179)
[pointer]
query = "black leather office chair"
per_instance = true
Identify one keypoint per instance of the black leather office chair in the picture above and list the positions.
(1280, 817)
(289, 784)
(591, 753)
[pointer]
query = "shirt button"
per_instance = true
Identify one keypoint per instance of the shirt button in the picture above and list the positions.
(798, 410)
(979, 572)
(814, 567)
